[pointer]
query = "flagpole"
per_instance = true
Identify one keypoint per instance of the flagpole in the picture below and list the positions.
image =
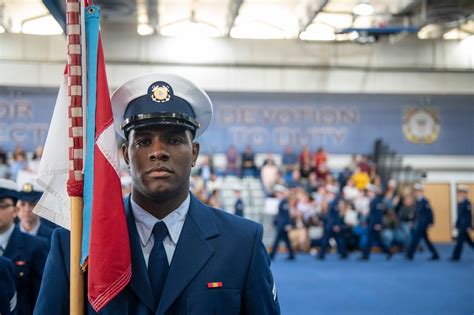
(77, 277)
(75, 184)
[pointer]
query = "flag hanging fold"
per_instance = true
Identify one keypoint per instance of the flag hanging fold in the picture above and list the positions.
(105, 233)
(53, 170)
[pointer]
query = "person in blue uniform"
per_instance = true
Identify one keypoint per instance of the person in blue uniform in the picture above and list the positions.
(28, 253)
(187, 258)
(239, 206)
(374, 223)
(423, 221)
(463, 222)
(282, 222)
(7, 287)
(30, 222)
(333, 225)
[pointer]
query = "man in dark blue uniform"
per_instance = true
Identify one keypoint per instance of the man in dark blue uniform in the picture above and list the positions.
(374, 223)
(30, 222)
(463, 222)
(7, 287)
(186, 257)
(239, 204)
(282, 222)
(423, 221)
(333, 225)
(28, 253)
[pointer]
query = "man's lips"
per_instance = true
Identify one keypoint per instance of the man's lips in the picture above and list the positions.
(159, 172)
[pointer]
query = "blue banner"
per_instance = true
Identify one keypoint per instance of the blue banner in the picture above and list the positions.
(342, 123)
(25, 114)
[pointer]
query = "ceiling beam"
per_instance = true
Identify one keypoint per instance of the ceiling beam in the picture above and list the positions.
(313, 8)
(57, 8)
(152, 13)
(232, 13)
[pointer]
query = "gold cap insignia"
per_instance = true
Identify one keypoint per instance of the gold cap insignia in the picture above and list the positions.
(27, 187)
(160, 93)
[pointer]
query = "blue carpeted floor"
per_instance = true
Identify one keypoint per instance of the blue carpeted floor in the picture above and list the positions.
(310, 286)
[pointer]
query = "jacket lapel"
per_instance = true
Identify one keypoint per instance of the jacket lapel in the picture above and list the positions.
(191, 254)
(140, 282)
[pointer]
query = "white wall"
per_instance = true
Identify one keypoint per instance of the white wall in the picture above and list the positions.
(408, 66)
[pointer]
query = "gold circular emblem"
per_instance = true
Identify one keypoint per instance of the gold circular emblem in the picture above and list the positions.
(27, 187)
(160, 94)
(421, 125)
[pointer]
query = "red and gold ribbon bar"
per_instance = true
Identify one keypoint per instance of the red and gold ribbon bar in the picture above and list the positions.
(212, 285)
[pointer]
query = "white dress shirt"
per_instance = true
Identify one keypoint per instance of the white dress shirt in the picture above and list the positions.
(5, 237)
(173, 221)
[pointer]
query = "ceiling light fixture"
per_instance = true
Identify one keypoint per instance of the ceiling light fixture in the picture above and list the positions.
(144, 29)
(319, 32)
(190, 28)
(429, 31)
(456, 34)
(257, 30)
(363, 8)
(41, 25)
(187, 29)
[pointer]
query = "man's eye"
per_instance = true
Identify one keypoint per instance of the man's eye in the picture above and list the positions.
(143, 142)
(175, 140)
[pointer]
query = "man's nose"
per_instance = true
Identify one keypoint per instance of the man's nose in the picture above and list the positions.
(159, 152)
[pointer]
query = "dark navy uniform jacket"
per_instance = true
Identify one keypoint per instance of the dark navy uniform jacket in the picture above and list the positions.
(213, 247)
(45, 232)
(423, 214)
(283, 218)
(8, 297)
(28, 254)
(239, 208)
(464, 220)
(332, 217)
(376, 212)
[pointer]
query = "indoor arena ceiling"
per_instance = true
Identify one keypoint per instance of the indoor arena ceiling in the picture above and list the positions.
(328, 20)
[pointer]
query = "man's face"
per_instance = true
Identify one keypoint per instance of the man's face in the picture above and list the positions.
(461, 195)
(330, 196)
(7, 213)
(371, 194)
(419, 194)
(160, 160)
(25, 211)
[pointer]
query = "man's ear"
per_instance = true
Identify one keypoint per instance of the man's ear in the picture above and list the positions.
(125, 153)
(196, 148)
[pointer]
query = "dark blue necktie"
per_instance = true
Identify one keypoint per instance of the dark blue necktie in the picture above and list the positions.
(158, 262)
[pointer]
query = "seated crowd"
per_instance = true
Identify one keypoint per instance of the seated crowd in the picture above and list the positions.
(351, 209)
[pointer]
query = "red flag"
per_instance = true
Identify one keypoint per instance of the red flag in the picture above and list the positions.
(109, 256)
